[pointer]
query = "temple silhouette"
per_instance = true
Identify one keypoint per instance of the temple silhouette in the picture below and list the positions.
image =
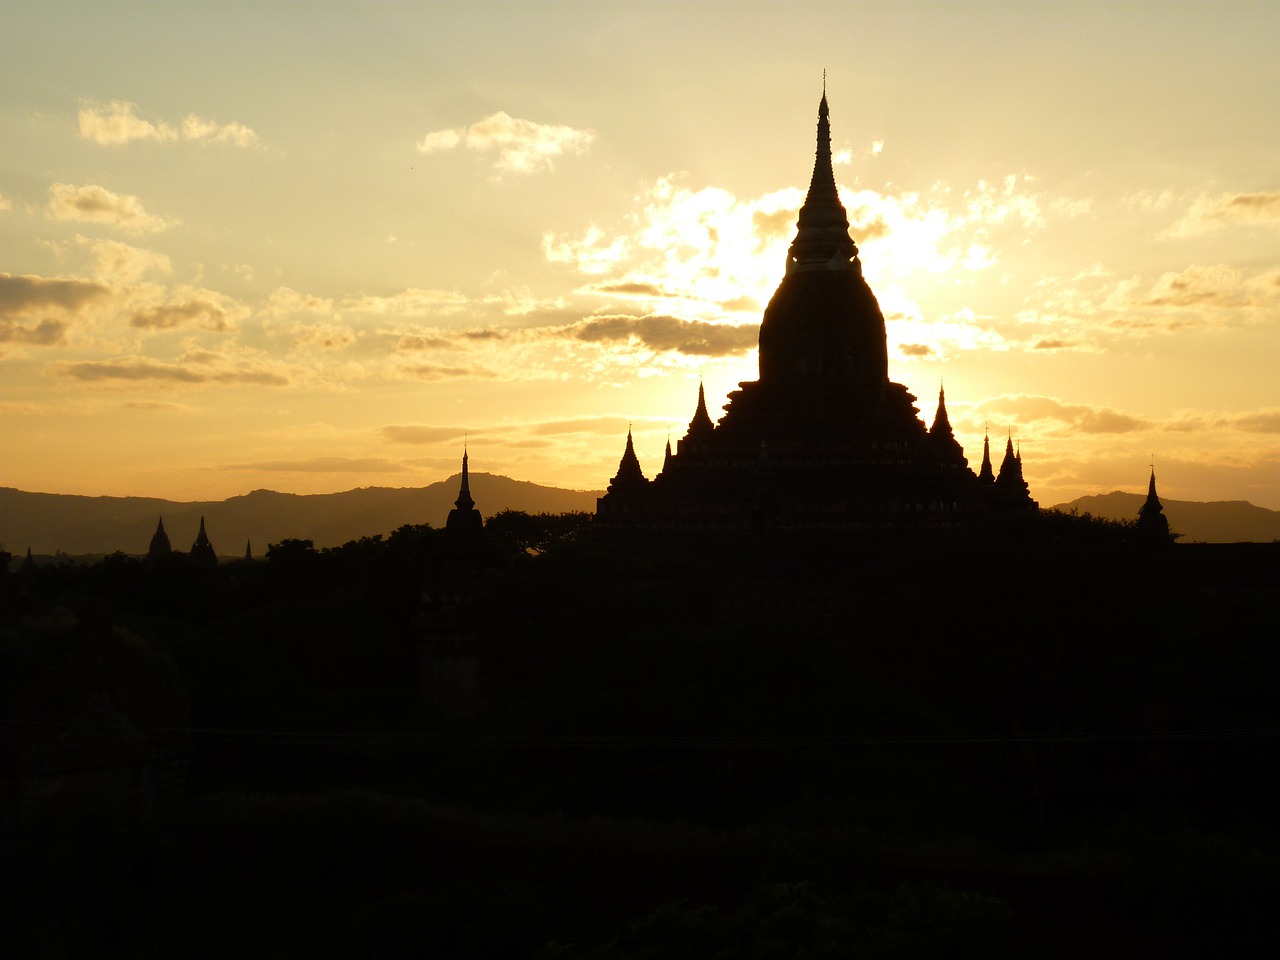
(823, 439)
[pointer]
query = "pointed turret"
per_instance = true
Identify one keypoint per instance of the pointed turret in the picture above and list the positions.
(1153, 525)
(943, 437)
(986, 474)
(1009, 466)
(629, 474)
(666, 458)
(1009, 480)
(464, 518)
(202, 550)
(701, 424)
(160, 546)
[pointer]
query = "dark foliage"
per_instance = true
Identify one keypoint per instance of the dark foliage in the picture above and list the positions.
(1042, 738)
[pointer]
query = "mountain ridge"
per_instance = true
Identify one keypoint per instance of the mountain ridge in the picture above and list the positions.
(1213, 521)
(82, 524)
(77, 524)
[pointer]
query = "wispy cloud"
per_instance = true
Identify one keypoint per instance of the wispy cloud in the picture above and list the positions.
(1208, 214)
(411, 433)
(43, 333)
(609, 426)
(409, 303)
(26, 295)
(665, 333)
(1196, 286)
(522, 146)
(431, 371)
(94, 204)
(189, 371)
(116, 262)
(203, 311)
(1261, 421)
(285, 301)
(653, 332)
(1079, 417)
(117, 123)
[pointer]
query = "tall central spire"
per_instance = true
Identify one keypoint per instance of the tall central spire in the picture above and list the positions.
(822, 240)
(464, 501)
(464, 518)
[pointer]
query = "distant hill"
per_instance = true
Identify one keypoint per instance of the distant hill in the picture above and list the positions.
(49, 522)
(1223, 521)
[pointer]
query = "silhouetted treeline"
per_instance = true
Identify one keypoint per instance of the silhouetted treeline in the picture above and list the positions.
(921, 748)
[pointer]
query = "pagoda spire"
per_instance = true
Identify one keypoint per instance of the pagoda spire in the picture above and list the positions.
(666, 459)
(1153, 525)
(822, 240)
(986, 474)
(701, 423)
(464, 501)
(629, 473)
(1010, 478)
(943, 437)
(1152, 506)
(202, 550)
(464, 518)
(160, 546)
(941, 422)
(1008, 464)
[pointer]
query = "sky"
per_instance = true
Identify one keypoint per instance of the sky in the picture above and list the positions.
(311, 246)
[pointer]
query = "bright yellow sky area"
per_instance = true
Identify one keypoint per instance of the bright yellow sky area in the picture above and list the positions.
(312, 246)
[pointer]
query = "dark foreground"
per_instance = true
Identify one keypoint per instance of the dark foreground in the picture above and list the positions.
(1047, 743)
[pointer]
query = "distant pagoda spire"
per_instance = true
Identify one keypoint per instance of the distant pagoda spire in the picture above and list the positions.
(666, 459)
(160, 546)
(629, 473)
(248, 550)
(29, 564)
(202, 550)
(822, 240)
(1153, 525)
(464, 501)
(701, 424)
(986, 474)
(464, 518)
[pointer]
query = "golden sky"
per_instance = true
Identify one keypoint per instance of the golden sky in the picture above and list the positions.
(312, 246)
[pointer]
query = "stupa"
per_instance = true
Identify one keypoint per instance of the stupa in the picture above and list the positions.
(823, 440)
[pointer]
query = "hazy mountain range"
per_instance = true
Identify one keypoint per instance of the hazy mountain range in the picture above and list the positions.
(49, 522)
(1222, 521)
